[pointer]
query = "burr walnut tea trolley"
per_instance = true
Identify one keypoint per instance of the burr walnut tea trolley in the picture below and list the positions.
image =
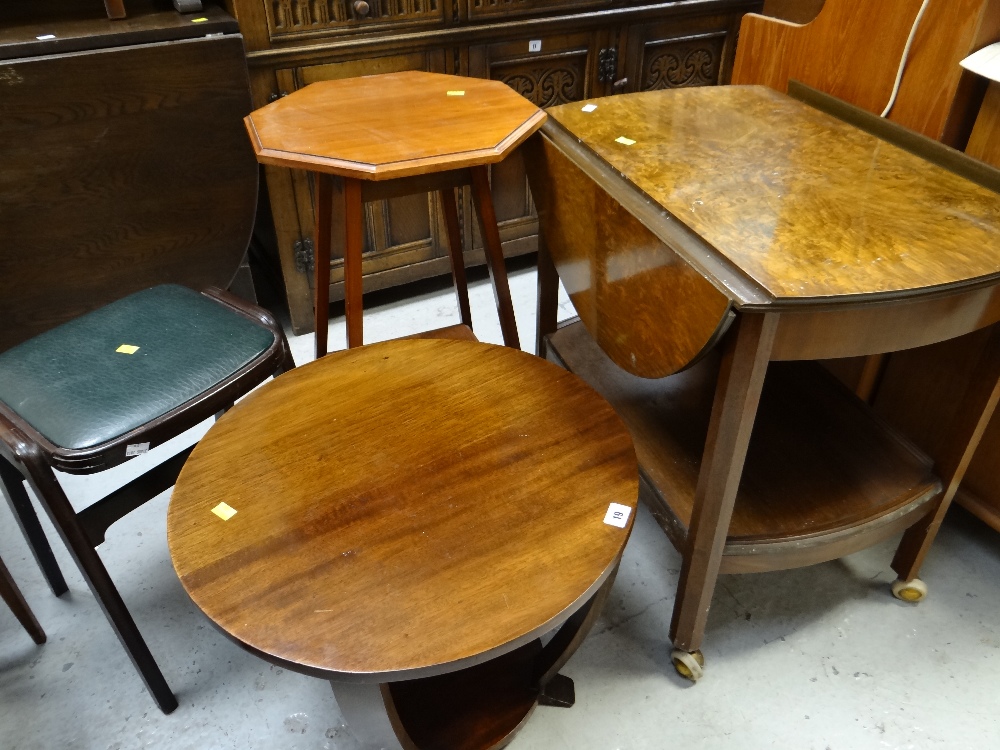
(712, 260)
(411, 533)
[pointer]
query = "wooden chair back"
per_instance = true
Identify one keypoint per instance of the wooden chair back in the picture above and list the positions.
(123, 168)
(852, 50)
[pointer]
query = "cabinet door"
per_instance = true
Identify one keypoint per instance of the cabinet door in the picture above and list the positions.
(674, 53)
(402, 235)
(548, 70)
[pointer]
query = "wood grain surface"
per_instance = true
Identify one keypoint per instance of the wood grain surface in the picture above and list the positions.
(392, 125)
(618, 273)
(123, 169)
(809, 207)
(818, 461)
(442, 505)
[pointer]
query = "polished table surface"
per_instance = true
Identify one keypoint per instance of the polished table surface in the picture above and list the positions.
(715, 232)
(404, 510)
(392, 125)
(804, 205)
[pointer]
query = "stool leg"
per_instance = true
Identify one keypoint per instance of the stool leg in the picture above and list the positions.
(13, 485)
(321, 275)
(449, 205)
(12, 596)
(483, 200)
(353, 248)
(64, 518)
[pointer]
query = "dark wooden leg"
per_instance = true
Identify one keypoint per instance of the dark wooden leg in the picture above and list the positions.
(548, 296)
(12, 596)
(974, 413)
(115, 8)
(13, 485)
(321, 278)
(287, 361)
(871, 377)
(353, 248)
(449, 205)
(368, 712)
(555, 689)
(737, 394)
(483, 200)
(65, 520)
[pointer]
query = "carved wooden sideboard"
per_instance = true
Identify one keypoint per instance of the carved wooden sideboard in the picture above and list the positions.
(551, 51)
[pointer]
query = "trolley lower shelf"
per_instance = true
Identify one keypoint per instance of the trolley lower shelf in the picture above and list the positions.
(824, 476)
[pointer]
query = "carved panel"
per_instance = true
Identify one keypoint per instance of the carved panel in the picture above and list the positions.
(480, 8)
(546, 81)
(676, 63)
(291, 16)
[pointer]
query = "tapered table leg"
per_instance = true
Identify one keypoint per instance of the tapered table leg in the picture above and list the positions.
(321, 278)
(450, 208)
(483, 200)
(974, 413)
(737, 394)
(353, 248)
(548, 296)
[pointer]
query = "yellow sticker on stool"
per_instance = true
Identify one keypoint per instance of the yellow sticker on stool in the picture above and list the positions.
(127, 349)
(624, 141)
(202, 19)
(456, 93)
(223, 511)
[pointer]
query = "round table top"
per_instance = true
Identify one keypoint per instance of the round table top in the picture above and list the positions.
(392, 125)
(403, 509)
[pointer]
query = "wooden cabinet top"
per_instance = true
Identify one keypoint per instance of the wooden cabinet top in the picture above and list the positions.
(393, 125)
(403, 508)
(803, 205)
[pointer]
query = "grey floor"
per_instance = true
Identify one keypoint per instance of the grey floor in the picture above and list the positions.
(821, 657)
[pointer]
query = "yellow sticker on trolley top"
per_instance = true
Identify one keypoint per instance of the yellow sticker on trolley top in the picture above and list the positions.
(223, 511)
(127, 349)
(456, 93)
(624, 141)
(202, 19)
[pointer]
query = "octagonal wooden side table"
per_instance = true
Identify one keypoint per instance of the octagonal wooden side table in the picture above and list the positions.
(386, 136)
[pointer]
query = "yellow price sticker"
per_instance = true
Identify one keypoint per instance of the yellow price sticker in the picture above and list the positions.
(199, 20)
(224, 511)
(624, 141)
(456, 93)
(127, 349)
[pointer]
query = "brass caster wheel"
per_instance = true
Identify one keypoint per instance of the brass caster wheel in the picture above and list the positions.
(909, 591)
(689, 665)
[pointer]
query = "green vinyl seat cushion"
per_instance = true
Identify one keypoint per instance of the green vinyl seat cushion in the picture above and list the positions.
(74, 386)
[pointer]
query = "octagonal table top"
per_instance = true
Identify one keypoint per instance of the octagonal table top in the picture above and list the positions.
(392, 125)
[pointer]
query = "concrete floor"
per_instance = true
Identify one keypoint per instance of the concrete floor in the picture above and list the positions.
(817, 658)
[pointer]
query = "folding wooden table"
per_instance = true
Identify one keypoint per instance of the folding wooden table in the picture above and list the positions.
(711, 237)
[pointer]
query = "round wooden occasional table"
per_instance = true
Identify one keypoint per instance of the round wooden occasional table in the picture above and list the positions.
(412, 520)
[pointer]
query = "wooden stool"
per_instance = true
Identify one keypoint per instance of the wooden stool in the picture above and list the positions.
(12, 596)
(387, 136)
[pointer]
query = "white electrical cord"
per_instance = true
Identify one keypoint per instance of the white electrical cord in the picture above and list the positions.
(906, 54)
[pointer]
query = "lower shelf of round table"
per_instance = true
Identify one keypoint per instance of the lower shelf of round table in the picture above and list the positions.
(479, 708)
